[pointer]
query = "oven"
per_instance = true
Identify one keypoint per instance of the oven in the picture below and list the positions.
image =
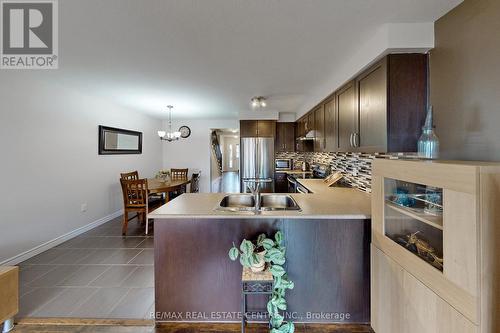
(283, 164)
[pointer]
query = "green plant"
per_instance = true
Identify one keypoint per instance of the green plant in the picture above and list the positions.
(275, 256)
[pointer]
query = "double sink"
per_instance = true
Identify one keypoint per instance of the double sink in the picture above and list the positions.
(247, 203)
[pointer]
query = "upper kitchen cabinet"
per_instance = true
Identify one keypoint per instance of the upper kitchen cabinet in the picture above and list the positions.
(391, 101)
(381, 110)
(257, 128)
(285, 137)
(347, 116)
(319, 129)
(331, 125)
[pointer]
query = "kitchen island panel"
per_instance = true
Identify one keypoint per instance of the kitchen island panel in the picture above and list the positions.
(327, 259)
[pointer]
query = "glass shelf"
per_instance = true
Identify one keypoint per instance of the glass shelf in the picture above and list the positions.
(414, 219)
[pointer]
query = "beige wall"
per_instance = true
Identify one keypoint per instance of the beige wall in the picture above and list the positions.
(465, 81)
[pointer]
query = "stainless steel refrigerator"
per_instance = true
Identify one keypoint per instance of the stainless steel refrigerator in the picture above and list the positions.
(257, 162)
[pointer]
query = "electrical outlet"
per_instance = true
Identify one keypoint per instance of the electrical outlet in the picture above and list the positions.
(84, 207)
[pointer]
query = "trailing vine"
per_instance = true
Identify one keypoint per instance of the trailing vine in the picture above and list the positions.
(275, 257)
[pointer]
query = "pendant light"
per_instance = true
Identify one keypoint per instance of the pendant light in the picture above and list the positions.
(170, 135)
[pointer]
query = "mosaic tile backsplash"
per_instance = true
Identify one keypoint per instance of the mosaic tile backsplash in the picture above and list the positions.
(355, 167)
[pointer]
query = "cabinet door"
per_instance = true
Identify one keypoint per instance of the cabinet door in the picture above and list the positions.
(386, 294)
(372, 99)
(348, 116)
(281, 182)
(424, 311)
(331, 126)
(279, 142)
(289, 140)
(266, 128)
(319, 128)
(248, 128)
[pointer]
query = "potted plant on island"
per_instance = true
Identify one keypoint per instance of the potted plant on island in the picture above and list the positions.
(255, 255)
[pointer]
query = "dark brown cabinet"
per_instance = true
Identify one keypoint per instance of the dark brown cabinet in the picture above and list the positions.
(382, 110)
(331, 125)
(280, 182)
(285, 137)
(372, 107)
(391, 98)
(257, 128)
(319, 129)
(347, 116)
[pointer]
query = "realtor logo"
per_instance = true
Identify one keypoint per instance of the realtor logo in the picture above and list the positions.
(29, 34)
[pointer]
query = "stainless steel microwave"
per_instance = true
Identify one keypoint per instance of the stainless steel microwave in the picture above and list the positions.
(283, 164)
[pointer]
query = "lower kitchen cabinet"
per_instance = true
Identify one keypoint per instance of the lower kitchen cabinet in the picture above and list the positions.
(280, 182)
(401, 303)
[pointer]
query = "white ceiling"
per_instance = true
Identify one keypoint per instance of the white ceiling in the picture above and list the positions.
(209, 57)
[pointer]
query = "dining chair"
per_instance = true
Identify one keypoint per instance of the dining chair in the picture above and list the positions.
(178, 174)
(195, 183)
(135, 199)
(154, 198)
(134, 175)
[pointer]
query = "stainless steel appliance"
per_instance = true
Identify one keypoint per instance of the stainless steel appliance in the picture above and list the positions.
(283, 164)
(256, 162)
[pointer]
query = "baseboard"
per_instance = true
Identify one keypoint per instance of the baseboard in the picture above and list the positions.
(56, 241)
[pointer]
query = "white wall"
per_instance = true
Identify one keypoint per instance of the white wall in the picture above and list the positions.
(50, 164)
(194, 152)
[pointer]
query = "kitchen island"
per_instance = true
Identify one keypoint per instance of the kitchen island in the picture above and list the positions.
(327, 257)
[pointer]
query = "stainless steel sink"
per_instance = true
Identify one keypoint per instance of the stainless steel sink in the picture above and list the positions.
(278, 202)
(246, 203)
(237, 202)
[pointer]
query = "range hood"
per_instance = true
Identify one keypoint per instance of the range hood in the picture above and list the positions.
(311, 135)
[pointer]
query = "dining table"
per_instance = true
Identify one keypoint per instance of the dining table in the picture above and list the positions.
(156, 185)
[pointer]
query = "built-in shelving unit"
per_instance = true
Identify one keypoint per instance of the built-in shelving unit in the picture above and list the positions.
(434, 261)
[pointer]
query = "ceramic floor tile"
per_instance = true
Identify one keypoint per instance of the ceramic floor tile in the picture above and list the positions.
(97, 256)
(64, 303)
(35, 299)
(54, 277)
(135, 304)
(148, 243)
(46, 257)
(123, 256)
(122, 242)
(84, 276)
(72, 256)
(146, 257)
(101, 303)
(33, 272)
(114, 276)
(142, 277)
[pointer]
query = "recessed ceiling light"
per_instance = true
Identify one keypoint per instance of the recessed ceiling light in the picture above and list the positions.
(258, 102)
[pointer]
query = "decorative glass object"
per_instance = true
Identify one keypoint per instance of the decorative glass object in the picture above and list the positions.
(428, 143)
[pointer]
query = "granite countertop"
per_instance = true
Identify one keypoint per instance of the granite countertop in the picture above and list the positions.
(324, 203)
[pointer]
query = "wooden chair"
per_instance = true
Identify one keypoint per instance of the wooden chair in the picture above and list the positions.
(134, 175)
(135, 199)
(178, 174)
(154, 199)
(195, 183)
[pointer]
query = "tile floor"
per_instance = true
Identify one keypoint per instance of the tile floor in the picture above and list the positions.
(99, 274)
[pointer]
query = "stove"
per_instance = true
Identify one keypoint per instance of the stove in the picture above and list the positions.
(319, 171)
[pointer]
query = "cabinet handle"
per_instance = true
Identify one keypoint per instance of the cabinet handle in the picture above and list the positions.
(350, 140)
(355, 139)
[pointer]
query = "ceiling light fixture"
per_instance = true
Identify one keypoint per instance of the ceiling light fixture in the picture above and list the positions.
(258, 102)
(170, 135)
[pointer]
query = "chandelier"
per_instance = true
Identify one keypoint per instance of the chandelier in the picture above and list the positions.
(170, 135)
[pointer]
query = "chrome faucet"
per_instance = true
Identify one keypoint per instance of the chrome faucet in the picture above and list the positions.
(253, 185)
